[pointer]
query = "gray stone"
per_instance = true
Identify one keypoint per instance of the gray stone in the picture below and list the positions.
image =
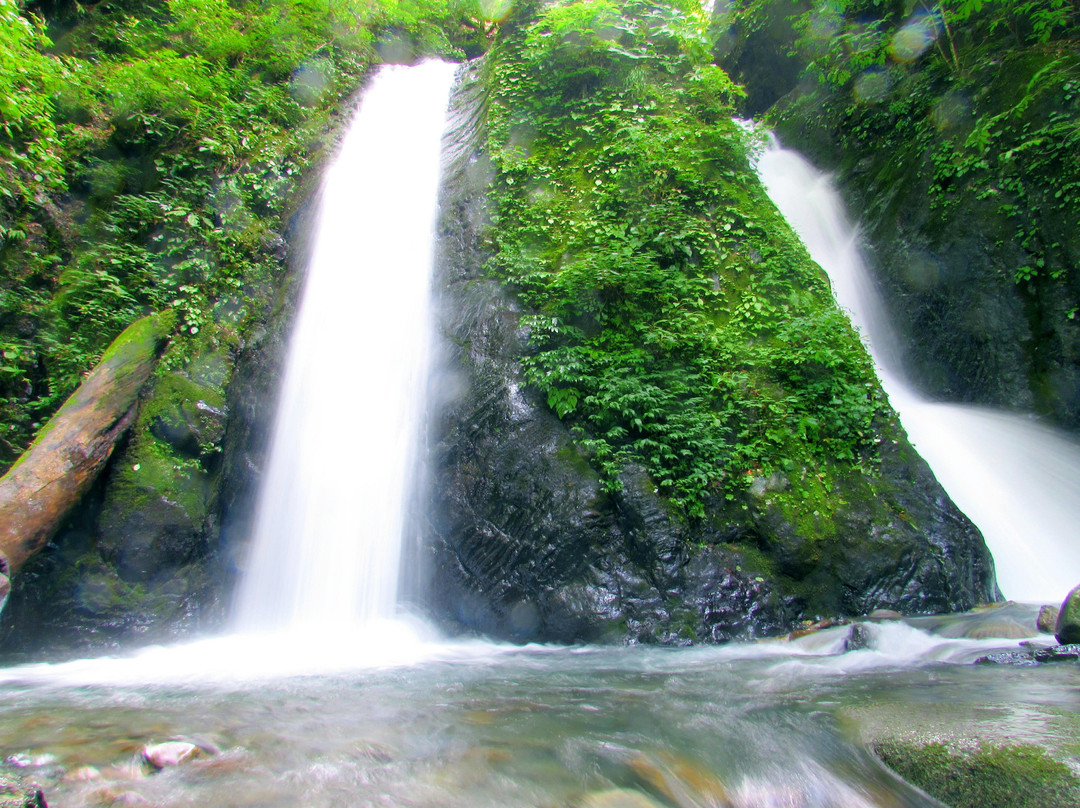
(859, 638)
(1058, 653)
(170, 753)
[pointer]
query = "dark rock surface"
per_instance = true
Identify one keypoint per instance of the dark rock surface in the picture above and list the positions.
(1027, 658)
(526, 545)
(1058, 653)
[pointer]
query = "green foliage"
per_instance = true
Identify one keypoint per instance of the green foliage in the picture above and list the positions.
(976, 101)
(30, 160)
(674, 319)
(181, 131)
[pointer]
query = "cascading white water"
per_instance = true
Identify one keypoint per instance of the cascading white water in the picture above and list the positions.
(1016, 479)
(328, 536)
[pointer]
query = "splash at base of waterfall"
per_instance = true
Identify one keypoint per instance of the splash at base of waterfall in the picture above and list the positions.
(245, 659)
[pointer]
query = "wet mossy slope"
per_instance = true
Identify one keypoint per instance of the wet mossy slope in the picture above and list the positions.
(662, 428)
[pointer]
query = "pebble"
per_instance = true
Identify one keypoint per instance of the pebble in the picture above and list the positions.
(111, 797)
(82, 774)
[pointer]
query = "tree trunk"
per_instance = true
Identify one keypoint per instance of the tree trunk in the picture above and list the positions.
(72, 448)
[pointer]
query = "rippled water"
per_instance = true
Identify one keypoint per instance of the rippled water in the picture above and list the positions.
(475, 724)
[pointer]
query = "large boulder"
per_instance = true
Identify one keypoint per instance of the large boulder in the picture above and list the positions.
(1067, 629)
(526, 544)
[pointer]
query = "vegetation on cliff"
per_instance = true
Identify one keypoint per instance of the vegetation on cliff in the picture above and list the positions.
(150, 154)
(956, 125)
(675, 320)
(153, 157)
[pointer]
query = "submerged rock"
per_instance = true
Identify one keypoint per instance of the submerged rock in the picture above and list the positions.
(1027, 658)
(1058, 653)
(1047, 619)
(981, 775)
(83, 774)
(1018, 658)
(885, 614)
(617, 798)
(1000, 629)
(17, 790)
(170, 753)
(1067, 629)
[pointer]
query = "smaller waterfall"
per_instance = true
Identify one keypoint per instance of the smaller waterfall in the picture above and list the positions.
(327, 544)
(1017, 480)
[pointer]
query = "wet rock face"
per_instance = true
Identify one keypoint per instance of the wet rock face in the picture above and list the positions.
(524, 543)
(971, 333)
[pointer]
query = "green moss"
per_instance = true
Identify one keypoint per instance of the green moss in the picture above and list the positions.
(676, 321)
(149, 472)
(140, 338)
(1020, 776)
(576, 459)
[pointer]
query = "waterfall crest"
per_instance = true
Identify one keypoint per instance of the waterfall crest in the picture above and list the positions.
(1017, 480)
(326, 549)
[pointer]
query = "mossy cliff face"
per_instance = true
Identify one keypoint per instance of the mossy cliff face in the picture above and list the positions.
(160, 163)
(537, 533)
(654, 425)
(958, 147)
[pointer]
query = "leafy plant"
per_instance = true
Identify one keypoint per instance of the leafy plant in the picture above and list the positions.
(675, 321)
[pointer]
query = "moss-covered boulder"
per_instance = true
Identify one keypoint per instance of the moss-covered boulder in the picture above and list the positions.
(1067, 628)
(135, 561)
(965, 776)
(530, 540)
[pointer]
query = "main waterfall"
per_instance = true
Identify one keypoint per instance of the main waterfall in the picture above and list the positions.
(330, 518)
(1017, 480)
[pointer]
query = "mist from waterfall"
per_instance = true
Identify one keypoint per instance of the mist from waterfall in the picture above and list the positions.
(1016, 479)
(327, 545)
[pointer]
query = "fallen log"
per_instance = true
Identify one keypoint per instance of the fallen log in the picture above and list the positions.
(73, 447)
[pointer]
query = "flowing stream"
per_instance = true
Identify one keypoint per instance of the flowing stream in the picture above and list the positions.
(320, 698)
(765, 725)
(1017, 480)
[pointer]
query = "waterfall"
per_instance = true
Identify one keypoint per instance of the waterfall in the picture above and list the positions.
(1017, 480)
(327, 543)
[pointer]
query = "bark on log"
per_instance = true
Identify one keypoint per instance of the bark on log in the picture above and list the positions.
(72, 448)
